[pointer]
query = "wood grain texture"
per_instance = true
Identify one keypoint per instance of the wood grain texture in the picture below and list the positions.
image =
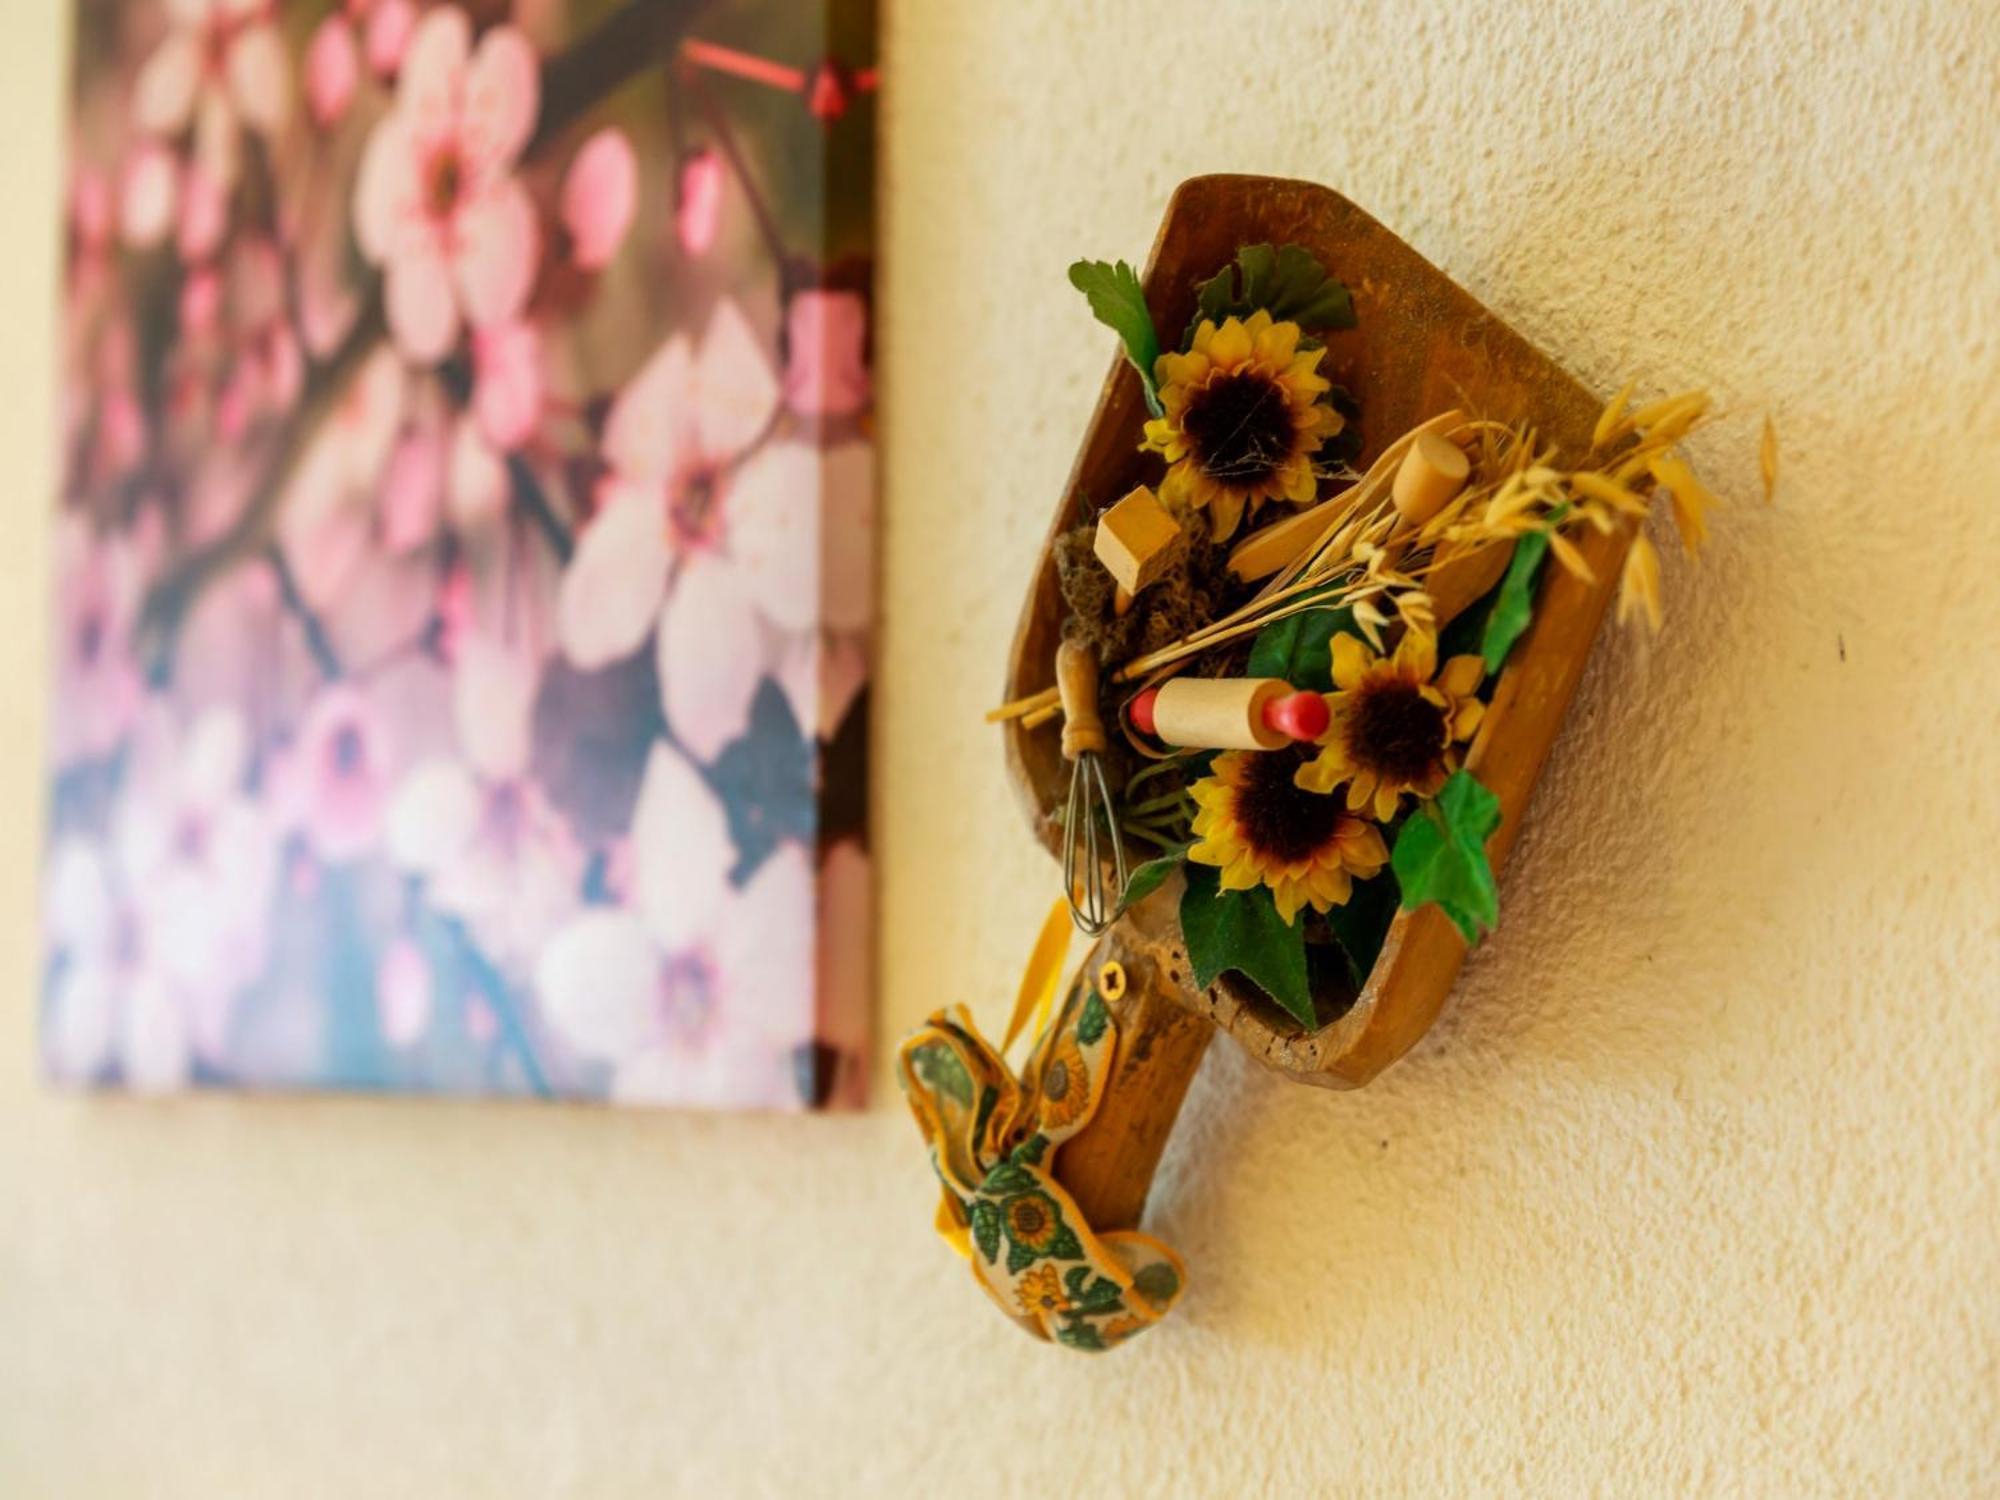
(1108, 1165)
(1420, 346)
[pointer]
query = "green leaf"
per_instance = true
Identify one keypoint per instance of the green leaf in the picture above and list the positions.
(1441, 855)
(1008, 1177)
(1242, 930)
(1090, 1025)
(1514, 601)
(1288, 283)
(936, 1065)
(1149, 877)
(1361, 924)
(1299, 648)
(985, 1216)
(1514, 604)
(1103, 1295)
(1075, 1333)
(1119, 303)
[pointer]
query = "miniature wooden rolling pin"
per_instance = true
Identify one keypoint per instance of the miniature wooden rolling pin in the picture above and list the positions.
(1229, 713)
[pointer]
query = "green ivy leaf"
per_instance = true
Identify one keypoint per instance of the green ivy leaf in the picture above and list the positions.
(1299, 648)
(1514, 604)
(1289, 283)
(1361, 924)
(1242, 930)
(1119, 303)
(1149, 877)
(1441, 855)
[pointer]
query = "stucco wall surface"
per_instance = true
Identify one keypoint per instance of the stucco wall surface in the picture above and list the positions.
(1695, 1188)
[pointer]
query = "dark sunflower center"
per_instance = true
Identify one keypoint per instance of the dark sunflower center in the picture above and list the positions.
(1055, 1083)
(1396, 730)
(1028, 1219)
(1281, 820)
(1240, 427)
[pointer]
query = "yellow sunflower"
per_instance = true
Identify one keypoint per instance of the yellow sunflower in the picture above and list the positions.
(1040, 1291)
(1065, 1086)
(1243, 419)
(1394, 723)
(1260, 827)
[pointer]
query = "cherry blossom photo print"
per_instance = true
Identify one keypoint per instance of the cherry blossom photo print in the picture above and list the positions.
(464, 555)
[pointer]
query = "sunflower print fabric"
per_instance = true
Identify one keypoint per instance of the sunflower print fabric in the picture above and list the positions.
(993, 1139)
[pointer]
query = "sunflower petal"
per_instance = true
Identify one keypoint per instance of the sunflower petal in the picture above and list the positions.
(1351, 661)
(1462, 675)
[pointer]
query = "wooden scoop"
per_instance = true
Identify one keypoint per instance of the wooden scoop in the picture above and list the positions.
(1421, 346)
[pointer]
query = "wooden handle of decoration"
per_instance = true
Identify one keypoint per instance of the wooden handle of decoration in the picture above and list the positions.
(1076, 685)
(1108, 1166)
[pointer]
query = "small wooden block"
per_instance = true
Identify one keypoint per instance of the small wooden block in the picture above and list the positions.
(1135, 539)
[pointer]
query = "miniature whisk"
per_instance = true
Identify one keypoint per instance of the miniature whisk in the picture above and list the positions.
(1090, 805)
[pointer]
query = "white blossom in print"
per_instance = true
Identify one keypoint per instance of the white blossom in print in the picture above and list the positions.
(701, 993)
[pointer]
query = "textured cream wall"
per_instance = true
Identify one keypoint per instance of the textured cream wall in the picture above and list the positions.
(1694, 1190)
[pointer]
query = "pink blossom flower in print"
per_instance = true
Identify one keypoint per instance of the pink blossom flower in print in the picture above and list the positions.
(111, 1009)
(701, 993)
(598, 198)
(147, 195)
(90, 210)
(337, 776)
(412, 489)
(403, 991)
(221, 67)
(698, 204)
(493, 848)
(324, 516)
(333, 70)
(204, 215)
(441, 472)
(690, 497)
(507, 383)
(390, 24)
(235, 648)
(437, 204)
(475, 480)
(201, 857)
(98, 684)
(826, 373)
(201, 303)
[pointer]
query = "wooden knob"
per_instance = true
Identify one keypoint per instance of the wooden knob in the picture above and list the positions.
(1434, 470)
(1076, 685)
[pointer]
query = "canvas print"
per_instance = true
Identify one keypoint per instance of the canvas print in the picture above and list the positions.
(463, 557)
